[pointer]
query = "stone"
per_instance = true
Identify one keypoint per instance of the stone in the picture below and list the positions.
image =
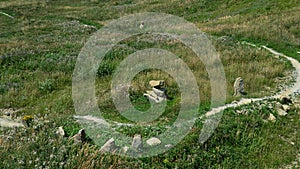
(137, 141)
(272, 118)
(7, 113)
(168, 145)
(109, 146)
(286, 107)
(61, 131)
(142, 25)
(153, 141)
(238, 87)
(238, 111)
(158, 93)
(281, 112)
(285, 99)
(278, 105)
(124, 149)
(157, 83)
(80, 136)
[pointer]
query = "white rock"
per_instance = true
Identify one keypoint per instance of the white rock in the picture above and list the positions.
(142, 25)
(286, 107)
(159, 92)
(137, 141)
(156, 83)
(124, 149)
(61, 131)
(272, 118)
(168, 145)
(153, 96)
(109, 146)
(238, 111)
(80, 136)
(153, 141)
(278, 105)
(281, 112)
(7, 113)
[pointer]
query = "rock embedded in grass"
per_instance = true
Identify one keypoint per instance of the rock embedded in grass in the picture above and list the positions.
(281, 112)
(286, 107)
(168, 145)
(109, 146)
(80, 136)
(61, 131)
(8, 112)
(156, 83)
(238, 87)
(272, 118)
(124, 150)
(137, 141)
(158, 93)
(153, 141)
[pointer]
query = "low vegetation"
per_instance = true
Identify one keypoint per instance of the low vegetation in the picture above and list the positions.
(39, 45)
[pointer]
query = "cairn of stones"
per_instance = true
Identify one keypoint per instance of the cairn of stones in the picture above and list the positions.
(158, 92)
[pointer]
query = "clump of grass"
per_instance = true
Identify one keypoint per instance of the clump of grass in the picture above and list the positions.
(46, 86)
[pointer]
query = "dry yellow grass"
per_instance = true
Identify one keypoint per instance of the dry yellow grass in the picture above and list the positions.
(274, 26)
(257, 67)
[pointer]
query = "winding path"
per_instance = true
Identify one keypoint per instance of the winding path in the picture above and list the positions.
(294, 89)
(4, 122)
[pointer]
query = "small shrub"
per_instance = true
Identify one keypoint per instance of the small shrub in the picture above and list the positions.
(3, 89)
(46, 86)
(105, 69)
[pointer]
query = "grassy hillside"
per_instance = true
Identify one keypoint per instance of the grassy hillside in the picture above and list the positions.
(39, 45)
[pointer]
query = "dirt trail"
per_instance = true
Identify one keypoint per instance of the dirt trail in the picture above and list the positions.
(9, 123)
(295, 88)
(289, 90)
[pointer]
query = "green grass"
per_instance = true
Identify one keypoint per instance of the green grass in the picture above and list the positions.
(240, 141)
(38, 52)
